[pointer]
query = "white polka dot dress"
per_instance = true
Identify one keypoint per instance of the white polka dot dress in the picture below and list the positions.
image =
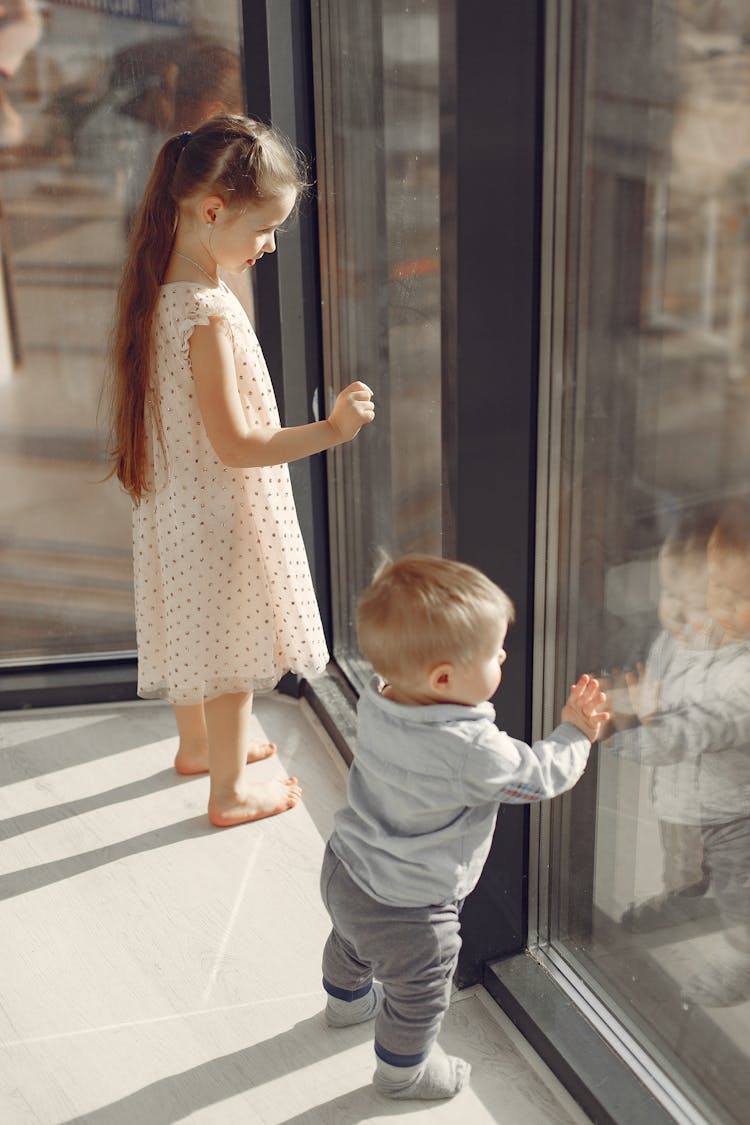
(223, 594)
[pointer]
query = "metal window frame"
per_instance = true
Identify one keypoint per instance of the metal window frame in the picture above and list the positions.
(341, 241)
(279, 89)
(556, 258)
(491, 160)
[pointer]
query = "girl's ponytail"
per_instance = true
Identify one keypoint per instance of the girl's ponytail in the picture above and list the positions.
(149, 251)
(243, 161)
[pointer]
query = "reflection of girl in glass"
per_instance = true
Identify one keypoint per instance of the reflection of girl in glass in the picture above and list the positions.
(208, 84)
(20, 29)
(224, 599)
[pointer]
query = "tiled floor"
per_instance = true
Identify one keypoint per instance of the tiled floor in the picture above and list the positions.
(155, 970)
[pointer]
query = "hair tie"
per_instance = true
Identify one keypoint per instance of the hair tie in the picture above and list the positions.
(184, 138)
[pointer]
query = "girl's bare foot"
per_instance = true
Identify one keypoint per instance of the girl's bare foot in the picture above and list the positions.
(194, 759)
(267, 798)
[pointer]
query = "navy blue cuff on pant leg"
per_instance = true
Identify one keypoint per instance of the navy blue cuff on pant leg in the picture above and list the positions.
(347, 994)
(400, 1060)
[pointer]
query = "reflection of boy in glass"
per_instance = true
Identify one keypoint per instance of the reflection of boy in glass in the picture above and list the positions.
(724, 778)
(674, 677)
(710, 727)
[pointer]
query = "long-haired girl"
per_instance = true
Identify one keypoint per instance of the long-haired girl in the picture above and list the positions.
(224, 599)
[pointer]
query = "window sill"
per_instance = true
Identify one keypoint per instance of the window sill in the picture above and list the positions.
(551, 1017)
(334, 701)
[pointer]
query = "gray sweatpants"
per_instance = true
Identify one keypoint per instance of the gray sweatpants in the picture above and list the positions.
(411, 950)
(727, 850)
(683, 859)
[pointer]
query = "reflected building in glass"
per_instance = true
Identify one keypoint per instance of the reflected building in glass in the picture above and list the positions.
(379, 201)
(89, 93)
(650, 898)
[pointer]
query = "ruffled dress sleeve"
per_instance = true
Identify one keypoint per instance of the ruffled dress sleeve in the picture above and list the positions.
(204, 305)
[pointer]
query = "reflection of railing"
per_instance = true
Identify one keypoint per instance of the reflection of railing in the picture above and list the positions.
(50, 592)
(173, 12)
(61, 590)
(11, 349)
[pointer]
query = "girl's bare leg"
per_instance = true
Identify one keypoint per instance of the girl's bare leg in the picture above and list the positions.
(231, 799)
(192, 753)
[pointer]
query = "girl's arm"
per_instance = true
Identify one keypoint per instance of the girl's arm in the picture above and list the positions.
(241, 446)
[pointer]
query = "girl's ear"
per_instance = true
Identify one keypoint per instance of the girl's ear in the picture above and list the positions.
(210, 208)
(441, 678)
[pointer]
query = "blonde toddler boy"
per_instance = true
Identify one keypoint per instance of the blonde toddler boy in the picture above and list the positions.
(429, 773)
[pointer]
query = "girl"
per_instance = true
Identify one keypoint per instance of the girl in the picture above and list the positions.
(224, 599)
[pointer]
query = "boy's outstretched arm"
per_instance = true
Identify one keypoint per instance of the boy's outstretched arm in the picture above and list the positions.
(586, 707)
(506, 769)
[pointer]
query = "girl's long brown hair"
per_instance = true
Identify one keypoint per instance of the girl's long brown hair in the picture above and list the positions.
(240, 160)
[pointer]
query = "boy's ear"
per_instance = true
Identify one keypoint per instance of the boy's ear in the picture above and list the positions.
(441, 678)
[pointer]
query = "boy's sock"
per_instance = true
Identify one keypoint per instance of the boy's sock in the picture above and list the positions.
(718, 986)
(439, 1076)
(726, 979)
(673, 908)
(346, 1013)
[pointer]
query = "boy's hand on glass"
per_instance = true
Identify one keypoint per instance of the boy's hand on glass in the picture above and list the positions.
(642, 695)
(616, 684)
(586, 707)
(352, 409)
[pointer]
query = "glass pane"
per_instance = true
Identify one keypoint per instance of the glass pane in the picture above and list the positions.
(89, 92)
(651, 895)
(380, 107)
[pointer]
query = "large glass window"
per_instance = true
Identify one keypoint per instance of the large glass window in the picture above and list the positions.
(647, 560)
(88, 92)
(378, 166)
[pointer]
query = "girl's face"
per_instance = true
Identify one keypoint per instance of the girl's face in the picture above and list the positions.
(237, 238)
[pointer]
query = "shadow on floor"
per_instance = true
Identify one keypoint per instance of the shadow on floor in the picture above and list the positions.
(172, 1099)
(58, 750)
(43, 818)
(32, 878)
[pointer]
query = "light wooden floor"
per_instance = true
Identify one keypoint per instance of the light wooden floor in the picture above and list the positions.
(155, 970)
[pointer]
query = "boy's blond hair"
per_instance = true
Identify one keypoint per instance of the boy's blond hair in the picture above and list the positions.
(689, 538)
(421, 610)
(732, 532)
